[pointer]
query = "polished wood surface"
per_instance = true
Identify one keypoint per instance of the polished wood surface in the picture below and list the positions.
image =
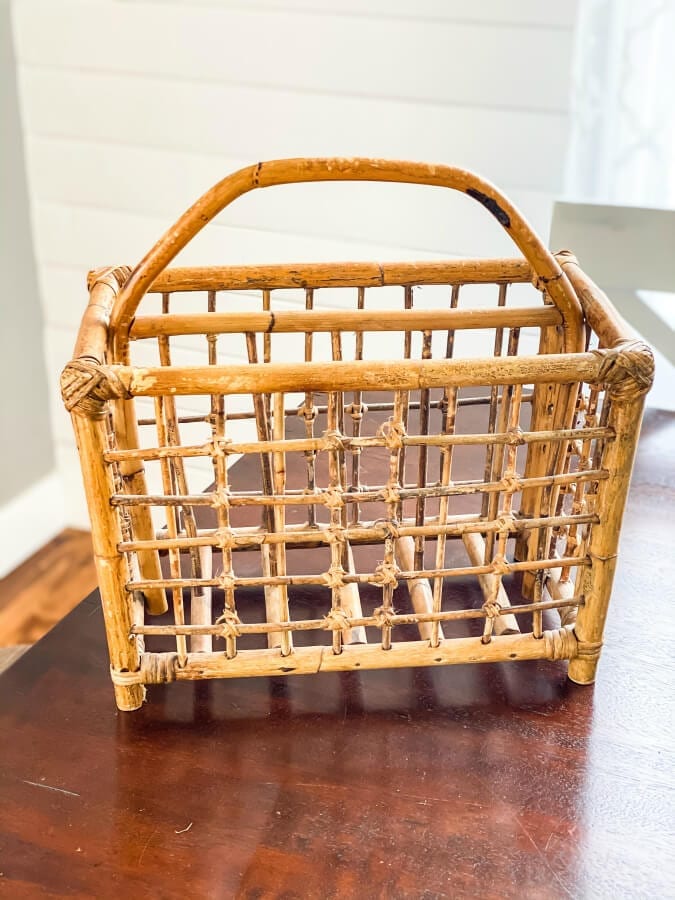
(484, 781)
(43, 589)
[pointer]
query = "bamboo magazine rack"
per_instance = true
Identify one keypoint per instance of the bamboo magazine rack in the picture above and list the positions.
(502, 471)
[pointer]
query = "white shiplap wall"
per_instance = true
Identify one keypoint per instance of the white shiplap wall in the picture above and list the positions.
(132, 108)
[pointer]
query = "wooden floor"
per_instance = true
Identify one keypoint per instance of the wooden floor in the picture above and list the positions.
(41, 591)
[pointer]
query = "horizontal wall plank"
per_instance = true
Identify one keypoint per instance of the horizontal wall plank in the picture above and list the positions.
(517, 149)
(133, 109)
(91, 237)
(96, 174)
(453, 62)
(528, 13)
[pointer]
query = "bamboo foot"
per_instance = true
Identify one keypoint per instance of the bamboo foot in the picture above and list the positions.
(129, 697)
(583, 666)
(582, 671)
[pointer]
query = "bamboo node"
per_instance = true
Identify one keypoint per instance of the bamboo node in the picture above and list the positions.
(229, 624)
(334, 577)
(386, 573)
(356, 411)
(596, 557)
(627, 369)
(393, 434)
(337, 620)
(308, 413)
(87, 386)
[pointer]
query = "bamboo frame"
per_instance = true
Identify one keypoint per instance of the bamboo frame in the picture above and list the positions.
(563, 508)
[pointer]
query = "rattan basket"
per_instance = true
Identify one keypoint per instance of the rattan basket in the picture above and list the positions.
(499, 474)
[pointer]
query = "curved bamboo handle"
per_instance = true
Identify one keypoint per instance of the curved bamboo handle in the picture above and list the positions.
(287, 171)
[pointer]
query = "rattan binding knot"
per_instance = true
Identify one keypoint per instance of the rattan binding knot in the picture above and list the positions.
(560, 644)
(156, 668)
(383, 616)
(333, 440)
(627, 369)
(337, 620)
(229, 624)
(332, 498)
(393, 434)
(334, 577)
(86, 387)
(492, 609)
(114, 276)
(124, 677)
(386, 573)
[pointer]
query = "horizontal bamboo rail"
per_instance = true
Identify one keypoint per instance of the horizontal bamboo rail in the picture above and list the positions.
(348, 443)
(331, 498)
(455, 615)
(343, 274)
(320, 579)
(161, 667)
(375, 375)
(352, 320)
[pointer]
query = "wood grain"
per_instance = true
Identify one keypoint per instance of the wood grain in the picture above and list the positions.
(41, 591)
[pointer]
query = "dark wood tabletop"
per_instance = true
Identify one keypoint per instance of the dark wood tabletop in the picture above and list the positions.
(487, 781)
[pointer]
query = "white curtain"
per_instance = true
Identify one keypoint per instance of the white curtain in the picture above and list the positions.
(622, 142)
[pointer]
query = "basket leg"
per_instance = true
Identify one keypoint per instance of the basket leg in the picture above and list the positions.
(624, 417)
(111, 566)
(129, 697)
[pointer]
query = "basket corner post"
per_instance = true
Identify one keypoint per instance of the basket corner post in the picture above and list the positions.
(627, 372)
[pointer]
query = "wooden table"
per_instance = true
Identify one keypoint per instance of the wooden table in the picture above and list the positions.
(486, 781)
